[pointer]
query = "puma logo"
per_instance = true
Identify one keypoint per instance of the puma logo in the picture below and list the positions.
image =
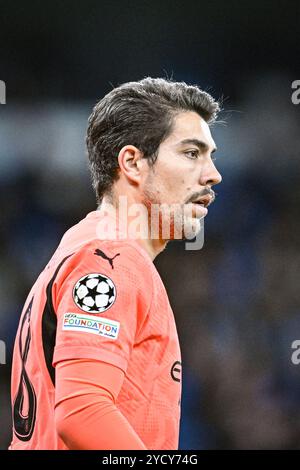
(104, 256)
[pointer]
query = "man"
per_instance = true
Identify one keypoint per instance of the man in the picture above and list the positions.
(97, 361)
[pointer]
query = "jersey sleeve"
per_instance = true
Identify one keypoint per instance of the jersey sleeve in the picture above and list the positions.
(85, 397)
(102, 299)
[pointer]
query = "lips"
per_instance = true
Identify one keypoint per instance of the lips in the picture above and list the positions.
(204, 201)
(199, 210)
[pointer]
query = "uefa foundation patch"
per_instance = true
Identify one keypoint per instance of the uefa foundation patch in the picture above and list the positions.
(91, 324)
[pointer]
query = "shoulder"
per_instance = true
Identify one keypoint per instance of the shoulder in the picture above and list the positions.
(123, 262)
(114, 254)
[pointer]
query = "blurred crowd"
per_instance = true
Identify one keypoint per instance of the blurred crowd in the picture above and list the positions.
(236, 301)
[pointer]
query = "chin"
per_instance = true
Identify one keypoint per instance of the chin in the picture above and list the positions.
(191, 228)
(186, 229)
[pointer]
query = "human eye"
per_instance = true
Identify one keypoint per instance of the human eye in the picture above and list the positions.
(193, 153)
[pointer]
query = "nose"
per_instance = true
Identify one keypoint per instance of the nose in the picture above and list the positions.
(210, 175)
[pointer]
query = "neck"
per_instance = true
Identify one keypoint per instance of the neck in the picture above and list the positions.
(132, 220)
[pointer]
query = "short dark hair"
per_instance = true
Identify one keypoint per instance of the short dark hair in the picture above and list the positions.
(141, 114)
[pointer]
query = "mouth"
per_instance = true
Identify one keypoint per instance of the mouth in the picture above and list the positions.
(199, 209)
(204, 201)
(200, 206)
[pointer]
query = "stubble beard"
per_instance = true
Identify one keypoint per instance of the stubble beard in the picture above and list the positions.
(175, 221)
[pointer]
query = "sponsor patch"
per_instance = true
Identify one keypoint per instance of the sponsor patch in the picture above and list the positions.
(94, 293)
(91, 324)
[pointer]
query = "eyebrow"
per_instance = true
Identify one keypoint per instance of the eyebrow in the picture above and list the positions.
(199, 143)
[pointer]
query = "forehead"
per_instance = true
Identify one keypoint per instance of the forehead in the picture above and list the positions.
(189, 125)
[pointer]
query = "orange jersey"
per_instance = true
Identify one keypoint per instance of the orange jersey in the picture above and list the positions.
(102, 300)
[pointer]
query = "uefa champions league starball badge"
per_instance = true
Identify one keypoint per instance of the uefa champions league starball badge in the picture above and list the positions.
(94, 293)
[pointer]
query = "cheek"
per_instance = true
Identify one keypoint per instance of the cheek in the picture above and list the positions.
(174, 190)
(175, 179)
(173, 183)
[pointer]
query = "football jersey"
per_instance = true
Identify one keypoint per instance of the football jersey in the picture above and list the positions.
(102, 300)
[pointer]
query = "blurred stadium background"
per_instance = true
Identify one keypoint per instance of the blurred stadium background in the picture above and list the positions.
(237, 300)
